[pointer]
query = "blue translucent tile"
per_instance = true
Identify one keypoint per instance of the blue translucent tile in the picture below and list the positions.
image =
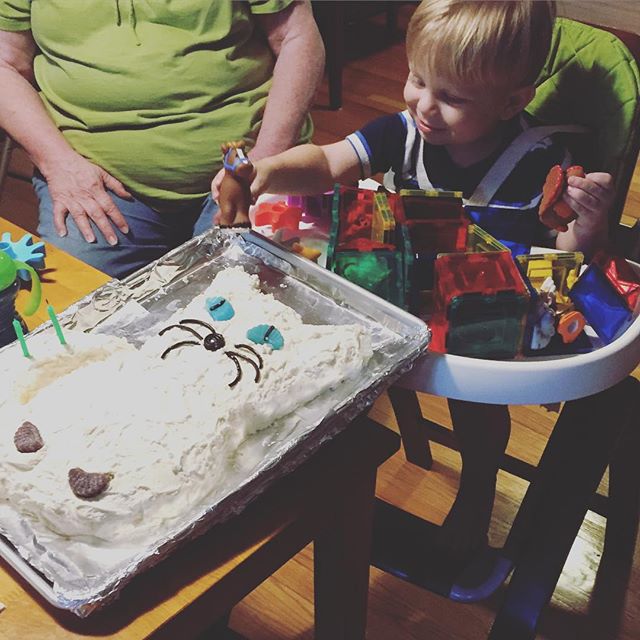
(602, 306)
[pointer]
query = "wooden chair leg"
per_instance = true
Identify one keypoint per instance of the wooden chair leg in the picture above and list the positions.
(623, 505)
(622, 510)
(555, 504)
(219, 630)
(330, 17)
(341, 565)
(410, 422)
(392, 16)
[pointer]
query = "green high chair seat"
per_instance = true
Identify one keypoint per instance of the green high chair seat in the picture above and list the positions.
(591, 78)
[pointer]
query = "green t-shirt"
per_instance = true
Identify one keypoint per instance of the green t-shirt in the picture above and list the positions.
(149, 89)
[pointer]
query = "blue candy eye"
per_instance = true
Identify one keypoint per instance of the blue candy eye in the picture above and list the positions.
(219, 308)
(266, 334)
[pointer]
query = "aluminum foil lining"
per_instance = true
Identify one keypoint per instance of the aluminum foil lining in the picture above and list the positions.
(128, 308)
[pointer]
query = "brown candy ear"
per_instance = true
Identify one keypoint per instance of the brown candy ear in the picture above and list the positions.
(88, 485)
(27, 438)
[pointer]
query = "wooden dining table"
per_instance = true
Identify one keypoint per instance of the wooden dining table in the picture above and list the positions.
(327, 500)
(64, 279)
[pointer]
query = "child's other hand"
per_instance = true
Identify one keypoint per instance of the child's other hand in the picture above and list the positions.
(260, 178)
(591, 198)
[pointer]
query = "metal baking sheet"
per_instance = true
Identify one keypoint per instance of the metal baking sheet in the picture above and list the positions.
(155, 292)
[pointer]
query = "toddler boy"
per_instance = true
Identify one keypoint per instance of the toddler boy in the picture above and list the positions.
(472, 68)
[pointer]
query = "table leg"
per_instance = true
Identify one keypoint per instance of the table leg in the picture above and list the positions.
(341, 557)
(415, 439)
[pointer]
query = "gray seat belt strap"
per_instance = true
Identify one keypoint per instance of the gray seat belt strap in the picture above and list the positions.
(505, 164)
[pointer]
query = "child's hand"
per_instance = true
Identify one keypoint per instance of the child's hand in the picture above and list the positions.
(260, 178)
(215, 185)
(591, 198)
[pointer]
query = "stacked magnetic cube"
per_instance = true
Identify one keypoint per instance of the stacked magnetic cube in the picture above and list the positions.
(480, 304)
(436, 223)
(366, 246)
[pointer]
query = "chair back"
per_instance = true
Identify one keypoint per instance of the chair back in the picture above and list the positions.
(591, 78)
(5, 157)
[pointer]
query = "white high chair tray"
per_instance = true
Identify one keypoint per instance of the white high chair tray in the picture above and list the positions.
(530, 381)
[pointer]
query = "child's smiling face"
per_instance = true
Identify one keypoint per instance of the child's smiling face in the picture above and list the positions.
(453, 115)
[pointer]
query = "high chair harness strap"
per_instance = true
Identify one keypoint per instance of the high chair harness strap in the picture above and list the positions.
(501, 168)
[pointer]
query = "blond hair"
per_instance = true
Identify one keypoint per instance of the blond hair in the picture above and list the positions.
(480, 43)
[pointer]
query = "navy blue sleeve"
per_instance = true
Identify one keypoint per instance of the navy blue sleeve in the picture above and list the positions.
(379, 145)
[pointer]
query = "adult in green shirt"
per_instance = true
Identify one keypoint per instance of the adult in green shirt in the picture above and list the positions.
(122, 106)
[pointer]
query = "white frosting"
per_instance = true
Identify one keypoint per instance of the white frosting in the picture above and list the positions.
(163, 427)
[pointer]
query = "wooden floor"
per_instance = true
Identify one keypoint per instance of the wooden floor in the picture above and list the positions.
(282, 608)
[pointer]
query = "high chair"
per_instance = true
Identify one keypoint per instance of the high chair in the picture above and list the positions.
(592, 79)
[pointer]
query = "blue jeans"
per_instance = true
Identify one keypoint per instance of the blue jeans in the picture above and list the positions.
(151, 234)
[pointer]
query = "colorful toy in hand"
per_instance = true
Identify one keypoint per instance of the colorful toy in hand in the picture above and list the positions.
(235, 192)
(554, 212)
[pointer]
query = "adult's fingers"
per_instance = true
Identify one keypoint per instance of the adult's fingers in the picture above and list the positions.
(115, 185)
(109, 208)
(101, 219)
(81, 219)
(60, 212)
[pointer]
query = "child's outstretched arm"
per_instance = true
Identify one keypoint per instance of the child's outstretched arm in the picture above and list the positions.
(591, 198)
(306, 170)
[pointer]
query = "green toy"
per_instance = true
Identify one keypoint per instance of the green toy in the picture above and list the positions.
(8, 274)
(366, 270)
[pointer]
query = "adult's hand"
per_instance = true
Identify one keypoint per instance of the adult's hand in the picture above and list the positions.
(79, 188)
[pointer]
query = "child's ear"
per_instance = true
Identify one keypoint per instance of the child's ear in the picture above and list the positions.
(516, 101)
